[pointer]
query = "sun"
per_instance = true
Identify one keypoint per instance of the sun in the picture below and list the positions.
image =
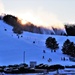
(23, 21)
(30, 17)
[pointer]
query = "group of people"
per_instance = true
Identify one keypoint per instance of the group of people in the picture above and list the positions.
(49, 60)
(63, 59)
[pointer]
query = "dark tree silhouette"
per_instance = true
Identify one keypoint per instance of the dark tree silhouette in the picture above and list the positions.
(68, 48)
(70, 29)
(52, 44)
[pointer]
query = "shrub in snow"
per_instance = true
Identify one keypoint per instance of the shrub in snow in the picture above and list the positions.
(52, 44)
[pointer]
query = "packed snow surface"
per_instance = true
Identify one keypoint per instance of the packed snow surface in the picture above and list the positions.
(12, 47)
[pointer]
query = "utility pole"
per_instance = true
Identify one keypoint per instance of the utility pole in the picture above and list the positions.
(24, 57)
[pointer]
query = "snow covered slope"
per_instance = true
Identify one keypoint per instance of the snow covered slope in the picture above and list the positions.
(12, 47)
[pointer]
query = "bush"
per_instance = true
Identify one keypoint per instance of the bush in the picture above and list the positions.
(56, 67)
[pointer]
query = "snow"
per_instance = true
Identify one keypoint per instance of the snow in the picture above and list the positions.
(12, 47)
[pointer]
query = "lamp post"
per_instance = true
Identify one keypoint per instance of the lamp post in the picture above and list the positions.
(24, 57)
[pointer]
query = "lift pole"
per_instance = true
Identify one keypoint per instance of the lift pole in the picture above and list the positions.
(24, 57)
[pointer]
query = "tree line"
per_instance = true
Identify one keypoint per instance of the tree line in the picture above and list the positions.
(68, 47)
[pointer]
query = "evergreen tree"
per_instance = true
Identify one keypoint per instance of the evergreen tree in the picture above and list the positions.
(66, 46)
(71, 51)
(48, 41)
(52, 43)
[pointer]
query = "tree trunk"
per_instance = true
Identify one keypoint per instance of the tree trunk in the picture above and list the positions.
(54, 50)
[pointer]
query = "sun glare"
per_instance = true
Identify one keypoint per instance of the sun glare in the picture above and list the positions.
(23, 21)
(44, 20)
(30, 17)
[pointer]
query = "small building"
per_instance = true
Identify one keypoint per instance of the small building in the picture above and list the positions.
(33, 64)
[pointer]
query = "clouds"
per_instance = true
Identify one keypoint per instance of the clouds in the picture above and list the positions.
(1, 7)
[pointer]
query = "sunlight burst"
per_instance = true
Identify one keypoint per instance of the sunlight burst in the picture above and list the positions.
(42, 19)
(29, 17)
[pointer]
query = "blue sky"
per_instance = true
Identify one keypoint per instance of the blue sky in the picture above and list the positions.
(63, 9)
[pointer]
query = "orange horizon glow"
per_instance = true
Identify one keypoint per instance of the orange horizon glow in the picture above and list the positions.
(29, 17)
(41, 20)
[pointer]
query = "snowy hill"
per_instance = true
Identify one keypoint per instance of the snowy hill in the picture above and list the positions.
(12, 47)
